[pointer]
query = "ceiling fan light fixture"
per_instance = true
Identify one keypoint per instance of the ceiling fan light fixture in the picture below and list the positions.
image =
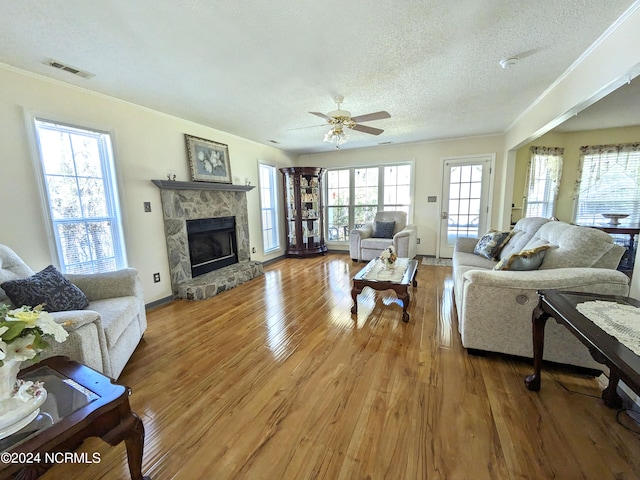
(336, 136)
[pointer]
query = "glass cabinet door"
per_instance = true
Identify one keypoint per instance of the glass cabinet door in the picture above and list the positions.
(303, 206)
(290, 209)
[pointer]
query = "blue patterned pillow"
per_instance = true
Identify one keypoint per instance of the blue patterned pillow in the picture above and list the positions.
(49, 287)
(384, 229)
(491, 243)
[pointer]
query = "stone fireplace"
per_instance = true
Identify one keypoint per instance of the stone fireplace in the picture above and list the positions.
(203, 205)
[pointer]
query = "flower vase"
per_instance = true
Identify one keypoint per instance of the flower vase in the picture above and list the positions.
(8, 375)
(20, 401)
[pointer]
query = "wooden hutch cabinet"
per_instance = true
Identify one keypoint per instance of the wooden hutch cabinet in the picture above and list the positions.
(303, 207)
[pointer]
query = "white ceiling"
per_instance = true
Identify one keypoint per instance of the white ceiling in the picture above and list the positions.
(256, 68)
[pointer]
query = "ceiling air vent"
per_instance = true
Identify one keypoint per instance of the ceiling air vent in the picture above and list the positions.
(68, 68)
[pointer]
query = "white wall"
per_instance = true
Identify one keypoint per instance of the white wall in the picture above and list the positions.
(428, 174)
(148, 144)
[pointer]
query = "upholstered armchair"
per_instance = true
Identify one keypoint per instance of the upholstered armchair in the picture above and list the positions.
(388, 228)
(104, 328)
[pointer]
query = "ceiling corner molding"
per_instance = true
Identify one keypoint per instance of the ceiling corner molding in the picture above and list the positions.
(607, 33)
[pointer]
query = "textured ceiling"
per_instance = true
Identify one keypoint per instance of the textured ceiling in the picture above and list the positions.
(255, 69)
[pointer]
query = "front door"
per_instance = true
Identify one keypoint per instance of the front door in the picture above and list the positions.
(465, 200)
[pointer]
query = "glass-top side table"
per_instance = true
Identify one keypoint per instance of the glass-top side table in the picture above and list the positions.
(64, 396)
(81, 403)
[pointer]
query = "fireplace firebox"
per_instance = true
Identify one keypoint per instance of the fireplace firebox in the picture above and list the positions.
(212, 244)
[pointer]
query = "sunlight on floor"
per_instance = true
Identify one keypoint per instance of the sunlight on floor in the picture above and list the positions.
(277, 337)
(446, 318)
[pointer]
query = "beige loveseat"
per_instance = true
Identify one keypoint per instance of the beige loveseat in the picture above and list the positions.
(105, 334)
(495, 307)
(364, 246)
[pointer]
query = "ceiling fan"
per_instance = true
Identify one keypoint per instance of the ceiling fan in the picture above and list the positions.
(339, 119)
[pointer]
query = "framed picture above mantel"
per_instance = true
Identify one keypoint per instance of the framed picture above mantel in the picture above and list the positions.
(208, 160)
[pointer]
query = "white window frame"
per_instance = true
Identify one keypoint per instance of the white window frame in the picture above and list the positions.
(112, 197)
(380, 205)
(272, 189)
(625, 159)
(543, 181)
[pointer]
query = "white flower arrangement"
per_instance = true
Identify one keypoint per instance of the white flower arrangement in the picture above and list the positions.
(23, 332)
(388, 256)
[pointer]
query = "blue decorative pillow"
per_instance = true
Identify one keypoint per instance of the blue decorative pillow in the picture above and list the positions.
(49, 287)
(525, 260)
(491, 243)
(384, 229)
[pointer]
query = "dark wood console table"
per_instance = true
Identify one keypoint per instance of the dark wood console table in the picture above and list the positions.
(623, 363)
(86, 404)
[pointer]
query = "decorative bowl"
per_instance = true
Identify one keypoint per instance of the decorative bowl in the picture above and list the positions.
(614, 218)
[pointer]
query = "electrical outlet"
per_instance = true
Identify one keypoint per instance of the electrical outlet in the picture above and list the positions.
(147, 206)
(156, 277)
(253, 250)
(418, 242)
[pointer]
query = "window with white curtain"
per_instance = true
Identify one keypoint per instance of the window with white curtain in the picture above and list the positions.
(608, 182)
(268, 203)
(543, 181)
(81, 191)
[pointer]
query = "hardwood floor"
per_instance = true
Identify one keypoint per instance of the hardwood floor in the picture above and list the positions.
(277, 380)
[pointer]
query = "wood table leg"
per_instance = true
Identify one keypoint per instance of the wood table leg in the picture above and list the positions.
(538, 321)
(354, 295)
(610, 394)
(404, 298)
(131, 430)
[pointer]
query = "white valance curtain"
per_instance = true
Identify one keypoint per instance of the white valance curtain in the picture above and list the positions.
(543, 181)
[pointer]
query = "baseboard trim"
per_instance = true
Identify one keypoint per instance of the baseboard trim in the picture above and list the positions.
(158, 303)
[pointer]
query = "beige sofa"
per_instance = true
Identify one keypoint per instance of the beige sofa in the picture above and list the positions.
(105, 334)
(363, 246)
(495, 307)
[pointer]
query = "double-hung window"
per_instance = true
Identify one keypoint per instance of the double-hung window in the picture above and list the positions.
(268, 204)
(543, 181)
(609, 182)
(356, 194)
(79, 180)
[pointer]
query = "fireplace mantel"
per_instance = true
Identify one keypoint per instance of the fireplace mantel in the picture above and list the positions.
(175, 185)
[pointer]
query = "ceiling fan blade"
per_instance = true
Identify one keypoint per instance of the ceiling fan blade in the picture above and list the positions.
(370, 116)
(367, 129)
(321, 115)
(308, 126)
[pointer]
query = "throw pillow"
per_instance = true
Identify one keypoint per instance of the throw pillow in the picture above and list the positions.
(49, 287)
(491, 243)
(384, 229)
(525, 260)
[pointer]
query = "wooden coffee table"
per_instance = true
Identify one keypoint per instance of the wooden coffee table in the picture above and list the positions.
(80, 403)
(367, 277)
